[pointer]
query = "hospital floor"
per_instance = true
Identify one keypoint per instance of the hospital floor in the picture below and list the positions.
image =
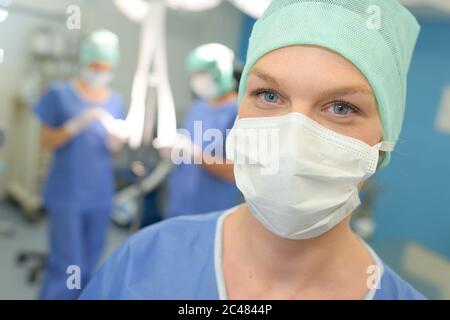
(16, 235)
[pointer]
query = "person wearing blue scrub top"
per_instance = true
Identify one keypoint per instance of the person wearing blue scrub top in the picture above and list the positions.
(79, 190)
(181, 259)
(317, 88)
(196, 189)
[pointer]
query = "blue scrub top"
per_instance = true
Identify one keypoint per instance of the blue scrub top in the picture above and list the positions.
(192, 190)
(81, 171)
(178, 259)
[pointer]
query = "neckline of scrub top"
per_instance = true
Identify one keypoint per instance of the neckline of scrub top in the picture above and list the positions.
(379, 267)
(77, 94)
(220, 279)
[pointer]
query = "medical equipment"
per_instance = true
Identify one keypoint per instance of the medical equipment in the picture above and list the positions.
(128, 207)
(137, 9)
(53, 53)
(152, 56)
(254, 8)
(151, 15)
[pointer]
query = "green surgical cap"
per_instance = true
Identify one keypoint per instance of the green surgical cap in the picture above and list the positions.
(216, 60)
(377, 36)
(101, 46)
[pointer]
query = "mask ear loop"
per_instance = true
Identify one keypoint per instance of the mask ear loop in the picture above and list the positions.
(385, 146)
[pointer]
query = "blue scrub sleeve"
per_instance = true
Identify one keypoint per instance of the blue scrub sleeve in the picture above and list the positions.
(232, 119)
(48, 108)
(119, 112)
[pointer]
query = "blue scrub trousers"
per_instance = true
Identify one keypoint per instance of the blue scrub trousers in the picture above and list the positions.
(77, 237)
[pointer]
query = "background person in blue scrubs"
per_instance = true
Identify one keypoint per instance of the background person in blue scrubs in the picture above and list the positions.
(79, 190)
(202, 188)
(338, 107)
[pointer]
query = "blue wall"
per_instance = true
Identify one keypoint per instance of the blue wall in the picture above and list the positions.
(414, 200)
(247, 25)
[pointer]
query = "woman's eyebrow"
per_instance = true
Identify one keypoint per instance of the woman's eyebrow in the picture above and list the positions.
(264, 76)
(343, 91)
(346, 91)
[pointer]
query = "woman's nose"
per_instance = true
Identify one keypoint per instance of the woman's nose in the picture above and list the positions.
(306, 108)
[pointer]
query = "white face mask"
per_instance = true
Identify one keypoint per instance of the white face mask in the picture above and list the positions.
(204, 86)
(305, 181)
(97, 79)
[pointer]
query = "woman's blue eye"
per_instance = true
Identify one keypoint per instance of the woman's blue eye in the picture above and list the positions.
(270, 97)
(342, 109)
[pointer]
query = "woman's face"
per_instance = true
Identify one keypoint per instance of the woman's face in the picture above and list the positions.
(318, 83)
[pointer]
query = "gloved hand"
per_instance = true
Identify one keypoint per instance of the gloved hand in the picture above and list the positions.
(183, 148)
(116, 128)
(77, 124)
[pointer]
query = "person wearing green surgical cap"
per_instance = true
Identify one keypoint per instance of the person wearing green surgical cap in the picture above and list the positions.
(99, 56)
(76, 117)
(101, 46)
(321, 104)
(205, 187)
(211, 68)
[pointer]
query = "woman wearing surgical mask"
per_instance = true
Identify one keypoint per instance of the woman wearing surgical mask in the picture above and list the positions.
(199, 186)
(322, 99)
(79, 118)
